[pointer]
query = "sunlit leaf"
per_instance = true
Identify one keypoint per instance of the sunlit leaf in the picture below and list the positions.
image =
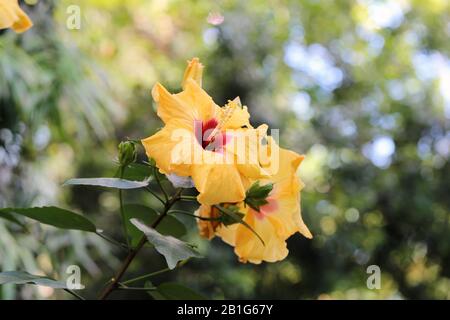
(168, 226)
(171, 248)
(21, 277)
(116, 183)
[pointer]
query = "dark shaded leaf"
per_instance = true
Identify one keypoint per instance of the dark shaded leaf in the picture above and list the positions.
(154, 293)
(54, 216)
(10, 217)
(137, 172)
(175, 291)
(228, 219)
(239, 218)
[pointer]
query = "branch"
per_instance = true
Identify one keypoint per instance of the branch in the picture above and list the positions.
(132, 254)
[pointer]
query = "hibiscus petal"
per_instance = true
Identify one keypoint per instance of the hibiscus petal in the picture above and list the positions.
(198, 100)
(193, 71)
(218, 183)
(172, 148)
(249, 248)
(12, 16)
(171, 107)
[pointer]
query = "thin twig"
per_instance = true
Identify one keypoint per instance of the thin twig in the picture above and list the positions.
(188, 198)
(149, 275)
(122, 211)
(194, 216)
(155, 195)
(113, 241)
(166, 196)
(241, 221)
(76, 295)
(138, 288)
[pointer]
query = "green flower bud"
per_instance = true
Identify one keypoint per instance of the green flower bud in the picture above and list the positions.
(127, 153)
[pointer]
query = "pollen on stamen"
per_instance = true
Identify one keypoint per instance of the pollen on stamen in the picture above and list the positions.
(228, 111)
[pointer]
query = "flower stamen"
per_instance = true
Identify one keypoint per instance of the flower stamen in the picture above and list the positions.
(228, 112)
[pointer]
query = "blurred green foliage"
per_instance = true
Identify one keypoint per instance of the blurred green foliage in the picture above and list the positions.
(360, 87)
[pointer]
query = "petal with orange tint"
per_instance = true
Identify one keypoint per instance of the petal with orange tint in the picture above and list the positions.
(12, 16)
(207, 228)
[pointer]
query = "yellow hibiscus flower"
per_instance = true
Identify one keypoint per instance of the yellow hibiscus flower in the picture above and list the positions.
(200, 139)
(12, 16)
(275, 221)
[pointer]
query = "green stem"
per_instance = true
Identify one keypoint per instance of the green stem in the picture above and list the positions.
(149, 275)
(239, 219)
(155, 195)
(150, 165)
(122, 211)
(138, 289)
(113, 241)
(189, 198)
(113, 284)
(193, 215)
(166, 196)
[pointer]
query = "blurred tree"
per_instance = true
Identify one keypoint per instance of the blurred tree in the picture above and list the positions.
(53, 101)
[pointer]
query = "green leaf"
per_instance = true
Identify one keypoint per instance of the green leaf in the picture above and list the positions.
(256, 195)
(137, 171)
(239, 218)
(116, 183)
(258, 191)
(54, 216)
(175, 291)
(21, 277)
(154, 293)
(168, 226)
(10, 217)
(171, 248)
(229, 219)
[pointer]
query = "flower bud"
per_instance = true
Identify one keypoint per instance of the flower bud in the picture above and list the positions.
(127, 153)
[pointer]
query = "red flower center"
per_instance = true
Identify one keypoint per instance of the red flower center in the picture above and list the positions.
(204, 133)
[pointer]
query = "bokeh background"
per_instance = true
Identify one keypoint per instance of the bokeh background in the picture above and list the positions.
(362, 88)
